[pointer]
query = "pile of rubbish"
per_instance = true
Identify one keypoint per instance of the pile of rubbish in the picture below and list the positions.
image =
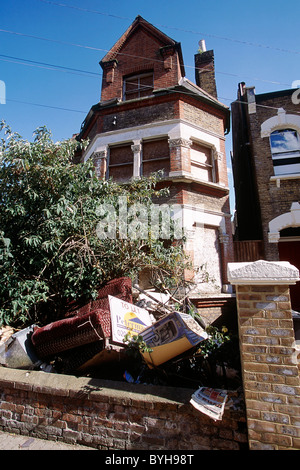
(94, 336)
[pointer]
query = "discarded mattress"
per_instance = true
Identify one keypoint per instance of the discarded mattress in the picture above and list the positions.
(120, 288)
(86, 325)
(71, 332)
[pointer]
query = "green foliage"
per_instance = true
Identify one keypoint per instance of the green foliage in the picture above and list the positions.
(207, 364)
(215, 340)
(136, 343)
(50, 253)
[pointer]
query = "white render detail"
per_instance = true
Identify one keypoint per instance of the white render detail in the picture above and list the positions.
(288, 219)
(174, 129)
(204, 229)
(262, 272)
(281, 121)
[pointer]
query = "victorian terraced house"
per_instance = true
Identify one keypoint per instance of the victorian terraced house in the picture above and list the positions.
(266, 170)
(151, 117)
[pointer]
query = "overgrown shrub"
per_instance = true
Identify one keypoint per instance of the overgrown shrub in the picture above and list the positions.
(50, 253)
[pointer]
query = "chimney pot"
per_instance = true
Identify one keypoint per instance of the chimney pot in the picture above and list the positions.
(202, 45)
(205, 71)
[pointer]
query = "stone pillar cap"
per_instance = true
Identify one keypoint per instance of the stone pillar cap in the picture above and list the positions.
(262, 272)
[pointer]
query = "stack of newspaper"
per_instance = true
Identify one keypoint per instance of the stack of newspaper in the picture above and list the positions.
(210, 401)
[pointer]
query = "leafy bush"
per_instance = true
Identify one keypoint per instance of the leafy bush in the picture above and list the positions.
(50, 253)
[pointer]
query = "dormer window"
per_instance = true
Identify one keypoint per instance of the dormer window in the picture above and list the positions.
(285, 147)
(137, 86)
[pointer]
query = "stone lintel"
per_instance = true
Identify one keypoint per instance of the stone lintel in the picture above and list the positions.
(262, 272)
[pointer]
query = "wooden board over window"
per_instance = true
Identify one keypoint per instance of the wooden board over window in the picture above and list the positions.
(137, 86)
(202, 162)
(120, 162)
(156, 156)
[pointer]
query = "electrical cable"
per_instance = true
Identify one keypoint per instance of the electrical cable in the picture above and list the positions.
(46, 106)
(224, 38)
(72, 70)
(119, 53)
(46, 66)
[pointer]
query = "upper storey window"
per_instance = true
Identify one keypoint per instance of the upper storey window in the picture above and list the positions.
(285, 147)
(202, 163)
(120, 166)
(156, 156)
(137, 86)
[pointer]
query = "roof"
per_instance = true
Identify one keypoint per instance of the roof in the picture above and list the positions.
(274, 94)
(196, 90)
(184, 86)
(140, 22)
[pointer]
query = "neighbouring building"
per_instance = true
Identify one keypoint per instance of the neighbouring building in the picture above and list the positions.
(151, 117)
(266, 171)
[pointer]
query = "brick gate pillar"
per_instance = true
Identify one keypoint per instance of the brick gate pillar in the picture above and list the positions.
(268, 353)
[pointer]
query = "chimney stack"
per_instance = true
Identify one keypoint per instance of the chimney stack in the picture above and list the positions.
(205, 70)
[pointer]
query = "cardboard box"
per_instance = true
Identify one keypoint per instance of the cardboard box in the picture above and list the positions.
(170, 336)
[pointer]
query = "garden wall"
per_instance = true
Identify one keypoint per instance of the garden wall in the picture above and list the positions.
(114, 415)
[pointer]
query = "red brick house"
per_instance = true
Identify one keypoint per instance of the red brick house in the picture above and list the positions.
(266, 170)
(149, 118)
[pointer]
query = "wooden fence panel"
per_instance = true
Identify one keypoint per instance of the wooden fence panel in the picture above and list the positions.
(248, 250)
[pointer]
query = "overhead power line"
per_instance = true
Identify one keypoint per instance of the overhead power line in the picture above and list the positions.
(85, 112)
(47, 66)
(47, 106)
(223, 38)
(57, 41)
(106, 50)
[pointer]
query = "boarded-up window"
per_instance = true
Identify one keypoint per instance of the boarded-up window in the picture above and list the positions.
(156, 156)
(137, 86)
(120, 162)
(202, 162)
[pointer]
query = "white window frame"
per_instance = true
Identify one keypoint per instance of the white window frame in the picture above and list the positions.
(285, 160)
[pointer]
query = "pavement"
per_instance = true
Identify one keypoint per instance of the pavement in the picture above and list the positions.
(9, 441)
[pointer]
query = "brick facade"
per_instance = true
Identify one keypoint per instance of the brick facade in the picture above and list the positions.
(260, 195)
(175, 112)
(159, 55)
(267, 184)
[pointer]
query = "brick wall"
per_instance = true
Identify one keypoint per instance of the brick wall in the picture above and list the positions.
(140, 53)
(268, 354)
(273, 199)
(113, 415)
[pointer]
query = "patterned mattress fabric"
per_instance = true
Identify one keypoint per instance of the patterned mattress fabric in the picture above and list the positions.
(120, 288)
(71, 332)
(86, 325)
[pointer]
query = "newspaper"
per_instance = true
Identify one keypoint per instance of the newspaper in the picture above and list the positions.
(210, 401)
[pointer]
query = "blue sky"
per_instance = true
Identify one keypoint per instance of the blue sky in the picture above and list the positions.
(255, 41)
